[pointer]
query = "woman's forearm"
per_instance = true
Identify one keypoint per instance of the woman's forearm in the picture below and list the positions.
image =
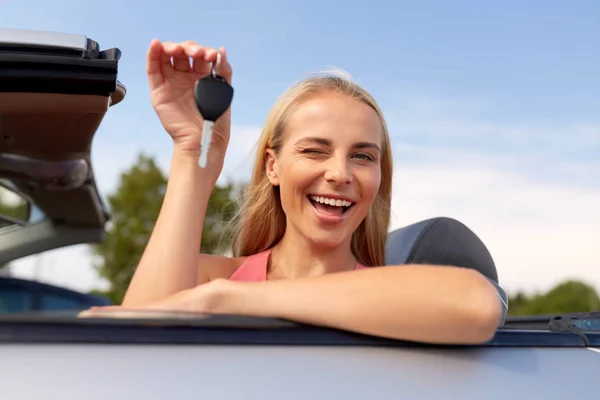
(417, 303)
(169, 263)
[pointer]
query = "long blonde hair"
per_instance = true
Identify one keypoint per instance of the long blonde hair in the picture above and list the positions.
(261, 222)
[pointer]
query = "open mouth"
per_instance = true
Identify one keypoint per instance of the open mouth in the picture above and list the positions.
(330, 206)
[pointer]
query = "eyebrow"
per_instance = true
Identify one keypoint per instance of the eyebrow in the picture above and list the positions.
(327, 142)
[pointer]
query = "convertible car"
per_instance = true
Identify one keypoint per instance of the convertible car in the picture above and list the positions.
(55, 90)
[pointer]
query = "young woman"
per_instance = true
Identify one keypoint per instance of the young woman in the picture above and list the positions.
(311, 238)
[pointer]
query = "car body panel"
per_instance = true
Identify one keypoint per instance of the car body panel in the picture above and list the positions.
(37, 39)
(23, 295)
(228, 357)
(295, 372)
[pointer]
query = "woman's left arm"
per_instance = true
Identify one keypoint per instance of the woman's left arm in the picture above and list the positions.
(423, 303)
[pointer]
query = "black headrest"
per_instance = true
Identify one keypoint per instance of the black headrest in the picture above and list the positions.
(440, 241)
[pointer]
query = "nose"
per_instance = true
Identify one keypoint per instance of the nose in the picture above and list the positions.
(338, 171)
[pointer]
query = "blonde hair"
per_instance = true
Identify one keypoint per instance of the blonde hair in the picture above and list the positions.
(261, 221)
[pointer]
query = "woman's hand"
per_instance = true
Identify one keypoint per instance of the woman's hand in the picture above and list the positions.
(172, 79)
(208, 298)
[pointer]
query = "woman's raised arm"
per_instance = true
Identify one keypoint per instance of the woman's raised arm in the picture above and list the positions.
(170, 261)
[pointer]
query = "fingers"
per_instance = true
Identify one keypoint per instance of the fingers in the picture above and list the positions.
(95, 310)
(153, 63)
(203, 60)
(166, 59)
(158, 63)
(224, 68)
(181, 61)
(201, 57)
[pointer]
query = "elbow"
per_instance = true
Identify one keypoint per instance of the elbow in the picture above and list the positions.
(484, 324)
(484, 311)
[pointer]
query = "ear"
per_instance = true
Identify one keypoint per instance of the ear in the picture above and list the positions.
(271, 167)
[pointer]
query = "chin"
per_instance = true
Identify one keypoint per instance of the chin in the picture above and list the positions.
(329, 235)
(329, 240)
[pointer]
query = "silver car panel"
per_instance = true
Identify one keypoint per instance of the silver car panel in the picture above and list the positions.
(180, 372)
(23, 37)
(227, 357)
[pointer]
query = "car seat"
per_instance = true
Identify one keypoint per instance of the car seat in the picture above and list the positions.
(443, 241)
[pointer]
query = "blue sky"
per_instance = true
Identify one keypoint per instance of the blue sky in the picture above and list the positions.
(499, 98)
(517, 66)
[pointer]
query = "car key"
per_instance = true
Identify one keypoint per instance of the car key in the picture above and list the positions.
(213, 96)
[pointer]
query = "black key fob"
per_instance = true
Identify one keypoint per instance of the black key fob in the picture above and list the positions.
(213, 96)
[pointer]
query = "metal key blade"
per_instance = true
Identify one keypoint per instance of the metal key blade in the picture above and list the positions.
(207, 130)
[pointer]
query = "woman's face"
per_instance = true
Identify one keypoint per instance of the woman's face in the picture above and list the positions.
(328, 169)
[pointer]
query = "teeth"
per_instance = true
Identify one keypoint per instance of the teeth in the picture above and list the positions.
(331, 202)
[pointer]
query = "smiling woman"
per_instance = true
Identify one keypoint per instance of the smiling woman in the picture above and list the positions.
(324, 142)
(310, 245)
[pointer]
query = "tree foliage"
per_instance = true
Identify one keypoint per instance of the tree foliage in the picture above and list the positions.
(135, 206)
(566, 297)
(16, 209)
(12, 206)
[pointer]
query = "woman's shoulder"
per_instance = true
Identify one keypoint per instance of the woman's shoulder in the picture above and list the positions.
(213, 267)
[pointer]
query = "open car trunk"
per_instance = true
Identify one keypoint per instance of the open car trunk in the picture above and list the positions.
(55, 90)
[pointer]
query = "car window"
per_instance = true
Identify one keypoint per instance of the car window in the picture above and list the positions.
(14, 299)
(59, 302)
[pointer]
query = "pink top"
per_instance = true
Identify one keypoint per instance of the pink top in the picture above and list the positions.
(254, 268)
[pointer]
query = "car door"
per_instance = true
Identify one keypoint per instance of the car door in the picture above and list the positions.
(15, 298)
(52, 300)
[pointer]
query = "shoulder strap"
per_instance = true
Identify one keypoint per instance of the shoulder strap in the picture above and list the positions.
(254, 268)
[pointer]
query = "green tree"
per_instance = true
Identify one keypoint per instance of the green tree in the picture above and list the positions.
(135, 206)
(568, 296)
(13, 206)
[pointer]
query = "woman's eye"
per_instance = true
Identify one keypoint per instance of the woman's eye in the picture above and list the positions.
(312, 151)
(318, 152)
(365, 156)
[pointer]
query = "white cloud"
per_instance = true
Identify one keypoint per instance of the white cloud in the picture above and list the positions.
(239, 159)
(463, 124)
(529, 189)
(110, 160)
(538, 233)
(69, 267)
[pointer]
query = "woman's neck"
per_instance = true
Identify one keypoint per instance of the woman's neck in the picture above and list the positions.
(295, 256)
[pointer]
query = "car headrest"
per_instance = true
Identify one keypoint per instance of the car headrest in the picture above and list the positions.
(440, 241)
